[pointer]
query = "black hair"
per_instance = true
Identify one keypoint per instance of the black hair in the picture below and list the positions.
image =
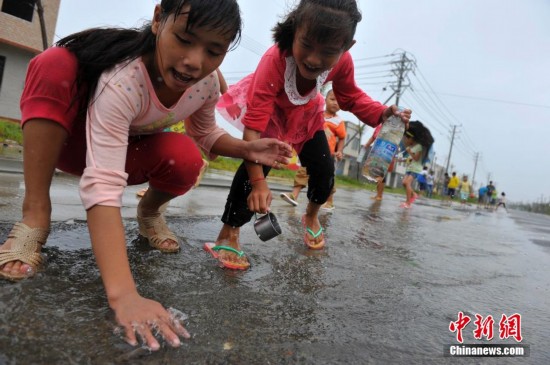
(422, 135)
(100, 49)
(326, 21)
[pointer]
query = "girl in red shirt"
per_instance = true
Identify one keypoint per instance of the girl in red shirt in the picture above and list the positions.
(281, 99)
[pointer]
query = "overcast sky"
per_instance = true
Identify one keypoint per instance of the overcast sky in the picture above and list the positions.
(482, 66)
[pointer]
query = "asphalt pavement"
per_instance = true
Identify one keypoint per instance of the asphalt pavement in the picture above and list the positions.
(387, 288)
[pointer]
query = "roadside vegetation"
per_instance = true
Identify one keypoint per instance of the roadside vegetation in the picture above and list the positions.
(10, 131)
(230, 164)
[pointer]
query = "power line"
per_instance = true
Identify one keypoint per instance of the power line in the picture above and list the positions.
(493, 100)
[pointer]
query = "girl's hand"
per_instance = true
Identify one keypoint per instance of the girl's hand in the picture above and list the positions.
(259, 200)
(268, 151)
(405, 114)
(338, 155)
(143, 318)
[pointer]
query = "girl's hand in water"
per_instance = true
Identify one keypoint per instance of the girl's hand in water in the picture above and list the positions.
(268, 151)
(405, 114)
(143, 319)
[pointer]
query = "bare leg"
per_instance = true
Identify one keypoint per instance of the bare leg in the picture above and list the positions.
(408, 189)
(296, 191)
(42, 144)
(379, 189)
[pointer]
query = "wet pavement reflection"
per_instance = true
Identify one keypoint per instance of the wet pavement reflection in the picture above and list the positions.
(383, 291)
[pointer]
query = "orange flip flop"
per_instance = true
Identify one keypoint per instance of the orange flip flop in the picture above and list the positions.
(213, 250)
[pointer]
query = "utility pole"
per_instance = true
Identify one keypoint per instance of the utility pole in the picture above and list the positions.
(451, 148)
(40, 11)
(476, 157)
(403, 67)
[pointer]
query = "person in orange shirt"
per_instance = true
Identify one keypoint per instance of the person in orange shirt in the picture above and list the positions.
(335, 130)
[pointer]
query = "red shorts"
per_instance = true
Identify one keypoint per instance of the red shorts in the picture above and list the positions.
(171, 162)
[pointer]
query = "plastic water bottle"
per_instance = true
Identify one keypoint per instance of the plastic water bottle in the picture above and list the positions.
(384, 148)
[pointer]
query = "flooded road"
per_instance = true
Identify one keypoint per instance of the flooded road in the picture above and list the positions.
(384, 290)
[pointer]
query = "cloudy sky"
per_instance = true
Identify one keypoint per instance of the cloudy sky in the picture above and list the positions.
(480, 67)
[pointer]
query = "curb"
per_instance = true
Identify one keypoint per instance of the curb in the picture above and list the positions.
(223, 179)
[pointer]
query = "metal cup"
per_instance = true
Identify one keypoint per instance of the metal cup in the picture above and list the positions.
(267, 227)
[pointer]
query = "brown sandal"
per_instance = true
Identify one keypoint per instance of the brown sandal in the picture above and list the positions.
(26, 241)
(160, 232)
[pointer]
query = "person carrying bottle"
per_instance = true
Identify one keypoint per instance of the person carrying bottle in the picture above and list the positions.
(418, 142)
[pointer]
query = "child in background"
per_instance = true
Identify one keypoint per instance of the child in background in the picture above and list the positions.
(446, 180)
(451, 187)
(430, 183)
(490, 191)
(97, 106)
(502, 202)
(301, 179)
(418, 141)
(465, 189)
(335, 130)
(281, 99)
(482, 196)
(422, 182)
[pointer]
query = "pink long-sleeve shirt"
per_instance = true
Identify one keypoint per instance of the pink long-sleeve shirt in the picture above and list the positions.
(125, 104)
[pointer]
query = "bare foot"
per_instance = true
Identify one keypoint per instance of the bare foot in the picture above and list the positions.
(229, 236)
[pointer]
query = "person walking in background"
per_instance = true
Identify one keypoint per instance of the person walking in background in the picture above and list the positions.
(446, 180)
(451, 188)
(282, 99)
(481, 196)
(493, 200)
(301, 179)
(96, 105)
(502, 202)
(335, 130)
(418, 141)
(422, 181)
(490, 191)
(465, 190)
(430, 183)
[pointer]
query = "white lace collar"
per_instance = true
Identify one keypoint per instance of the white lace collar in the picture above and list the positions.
(290, 84)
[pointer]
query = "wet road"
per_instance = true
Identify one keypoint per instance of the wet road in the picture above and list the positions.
(384, 291)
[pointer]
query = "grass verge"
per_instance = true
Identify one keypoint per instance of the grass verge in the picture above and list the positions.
(10, 131)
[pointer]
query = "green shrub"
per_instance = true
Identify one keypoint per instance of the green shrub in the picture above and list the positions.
(10, 130)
